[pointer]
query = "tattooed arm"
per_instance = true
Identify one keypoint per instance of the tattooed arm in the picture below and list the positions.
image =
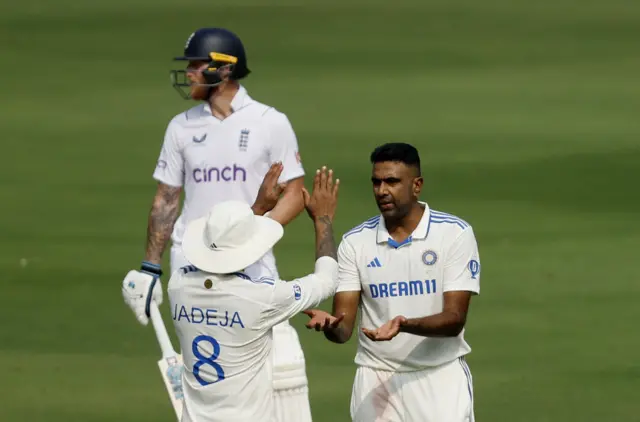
(338, 325)
(290, 298)
(163, 215)
(325, 243)
(321, 206)
(139, 288)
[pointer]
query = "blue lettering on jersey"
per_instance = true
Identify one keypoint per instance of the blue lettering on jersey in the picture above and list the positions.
(211, 317)
(236, 320)
(402, 288)
(197, 316)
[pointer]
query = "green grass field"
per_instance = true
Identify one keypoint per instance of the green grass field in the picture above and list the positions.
(526, 116)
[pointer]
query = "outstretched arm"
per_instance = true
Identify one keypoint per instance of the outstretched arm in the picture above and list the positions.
(448, 323)
(338, 326)
(461, 281)
(289, 298)
(345, 305)
(162, 217)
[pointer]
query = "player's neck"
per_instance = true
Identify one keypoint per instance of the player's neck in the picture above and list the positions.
(401, 229)
(220, 101)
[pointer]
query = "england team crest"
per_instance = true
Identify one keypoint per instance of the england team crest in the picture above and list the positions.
(243, 142)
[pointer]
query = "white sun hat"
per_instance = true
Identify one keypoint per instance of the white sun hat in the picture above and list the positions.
(229, 238)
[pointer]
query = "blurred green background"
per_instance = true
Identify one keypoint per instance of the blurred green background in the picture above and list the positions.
(526, 116)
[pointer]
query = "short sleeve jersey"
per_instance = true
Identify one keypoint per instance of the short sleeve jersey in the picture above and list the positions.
(219, 160)
(408, 279)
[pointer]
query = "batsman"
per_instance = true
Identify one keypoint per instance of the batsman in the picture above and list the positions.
(220, 150)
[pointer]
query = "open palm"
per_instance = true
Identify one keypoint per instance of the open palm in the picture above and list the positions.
(387, 331)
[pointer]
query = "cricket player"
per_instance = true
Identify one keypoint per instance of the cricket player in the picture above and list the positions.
(411, 271)
(217, 151)
(224, 318)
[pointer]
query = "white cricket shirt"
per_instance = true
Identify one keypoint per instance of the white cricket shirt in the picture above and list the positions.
(408, 279)
(220, 160)
(224, 324)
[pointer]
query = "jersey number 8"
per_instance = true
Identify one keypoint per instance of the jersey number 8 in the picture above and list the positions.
(206, 360)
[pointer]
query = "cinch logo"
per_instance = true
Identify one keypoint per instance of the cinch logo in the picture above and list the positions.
(403, 288)
(215, 174)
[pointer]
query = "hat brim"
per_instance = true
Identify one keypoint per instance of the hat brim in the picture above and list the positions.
(220, 261)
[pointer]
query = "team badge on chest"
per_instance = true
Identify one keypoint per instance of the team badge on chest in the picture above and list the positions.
(243, 142)
(429, 257)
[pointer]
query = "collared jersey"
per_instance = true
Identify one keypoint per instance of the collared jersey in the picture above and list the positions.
(408, 279)
(224, 325)
(220, 160)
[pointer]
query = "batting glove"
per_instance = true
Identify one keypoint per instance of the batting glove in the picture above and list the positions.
(139, 288)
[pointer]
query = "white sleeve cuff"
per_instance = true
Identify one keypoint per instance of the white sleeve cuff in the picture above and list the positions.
(327, 268)
(466, 287)
(166, 181)
(348, 287)
(292, 174)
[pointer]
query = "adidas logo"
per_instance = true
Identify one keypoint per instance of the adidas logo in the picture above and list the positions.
(375, 263)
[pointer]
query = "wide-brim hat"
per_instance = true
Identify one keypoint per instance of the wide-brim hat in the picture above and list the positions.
(229, 238)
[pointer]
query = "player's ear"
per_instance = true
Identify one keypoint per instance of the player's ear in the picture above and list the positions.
(225, 72)
(417, 185)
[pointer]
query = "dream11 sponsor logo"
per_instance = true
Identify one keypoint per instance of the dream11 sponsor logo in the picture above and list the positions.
(219, 174)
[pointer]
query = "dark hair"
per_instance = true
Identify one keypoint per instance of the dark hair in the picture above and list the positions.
(397, 151)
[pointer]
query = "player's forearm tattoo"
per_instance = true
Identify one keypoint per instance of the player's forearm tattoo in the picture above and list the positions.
(162, 217)
(325, 244)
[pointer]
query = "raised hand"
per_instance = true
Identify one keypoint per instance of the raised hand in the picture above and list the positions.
(323, 200)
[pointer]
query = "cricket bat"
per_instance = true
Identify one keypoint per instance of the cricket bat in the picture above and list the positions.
(171, 363)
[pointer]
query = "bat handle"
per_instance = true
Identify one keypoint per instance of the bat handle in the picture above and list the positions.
(161, 331)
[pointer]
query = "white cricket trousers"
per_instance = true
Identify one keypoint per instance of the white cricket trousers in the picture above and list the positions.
(440, 394)
(291, 390)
